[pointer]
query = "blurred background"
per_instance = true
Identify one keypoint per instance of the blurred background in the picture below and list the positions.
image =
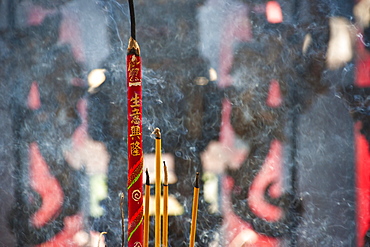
(268, 100)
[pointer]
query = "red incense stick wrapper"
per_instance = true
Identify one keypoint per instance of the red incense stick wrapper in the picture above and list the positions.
(134, 141)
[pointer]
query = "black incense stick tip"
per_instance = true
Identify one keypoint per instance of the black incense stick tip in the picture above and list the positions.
(122, 197)
(197, 180)
(165, 181)
(147, 182)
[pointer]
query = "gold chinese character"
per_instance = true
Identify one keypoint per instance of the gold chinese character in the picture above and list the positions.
(133, 72)
(135, 148)
(133, 75)
(135, 112)
(135, 100)
(135, 119)
(134, 62)
(135, 131)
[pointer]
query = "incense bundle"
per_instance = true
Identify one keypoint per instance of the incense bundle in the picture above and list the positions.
(134, 138)
(194, 212)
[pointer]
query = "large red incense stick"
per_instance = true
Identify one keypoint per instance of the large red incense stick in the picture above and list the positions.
(134, 139)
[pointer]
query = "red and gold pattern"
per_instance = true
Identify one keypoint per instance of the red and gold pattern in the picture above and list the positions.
(135, 150)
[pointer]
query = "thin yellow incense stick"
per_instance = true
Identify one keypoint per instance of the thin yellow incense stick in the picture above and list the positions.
(158, 158)
(165, 207)
(194, 212)
(146, 206)
(122, 197)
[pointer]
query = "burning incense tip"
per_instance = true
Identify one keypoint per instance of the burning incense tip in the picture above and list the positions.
(121, 204)
(197, 180)
(157, 133)
(122, 196)
(147, 182)
(165, 181)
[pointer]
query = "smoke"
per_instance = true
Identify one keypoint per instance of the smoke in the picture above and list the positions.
(293, 113)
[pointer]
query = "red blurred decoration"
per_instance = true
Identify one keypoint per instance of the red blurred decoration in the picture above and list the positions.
(52, 198)
(273, 12)
(33, 101)
(274, 98)
(69, 32)
(270, 173)
(46, 185)
(235, 225)
(362, 184)
(362, 152)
